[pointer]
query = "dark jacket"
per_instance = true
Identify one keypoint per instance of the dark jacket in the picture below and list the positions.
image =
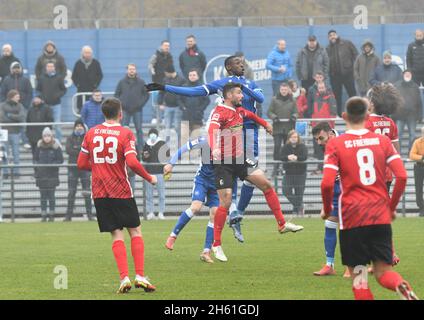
(364, 66)
(47, 177)
(383, 73)
(171, 99)
(5, 63)
(132, 93)
(12, 112)
(309, 62)
(294, 167)
(21, 84)
(192, 59)
(73, 144)
(45, 58)
(412, 106)
(38, 113)
(415, 56)
(282, 108)
(86, 79)
(342, 57)
(51, 88)
(151, 154)
(91, 113)
(193, 107)
(158, 63)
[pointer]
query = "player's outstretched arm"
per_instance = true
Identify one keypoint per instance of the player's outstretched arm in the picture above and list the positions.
(190, 145)
(83, 161)
(256, 94)
(183, 91)
(258, 120)
(138, 168)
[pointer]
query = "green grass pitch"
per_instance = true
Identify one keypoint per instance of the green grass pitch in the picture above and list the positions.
(267, 266)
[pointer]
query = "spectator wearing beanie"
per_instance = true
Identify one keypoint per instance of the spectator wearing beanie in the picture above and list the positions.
(49, 151)
(386, 72)
(50, 54)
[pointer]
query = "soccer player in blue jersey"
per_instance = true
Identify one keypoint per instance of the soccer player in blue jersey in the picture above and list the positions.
(204, 192)
(252, 94)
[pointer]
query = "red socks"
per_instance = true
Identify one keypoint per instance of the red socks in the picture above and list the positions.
(219, 223)
(120, 253)
(274, 204)
(137, 251)
(362, 294)
(390, 280)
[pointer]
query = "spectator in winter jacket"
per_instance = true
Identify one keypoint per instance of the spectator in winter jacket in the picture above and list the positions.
(386, 72)
(49, 151)
(160, 61)
(415, 57)
(280, 64)
(38, 112)
(299, 95)
(192, 58)
(364, 65)
(51, 88)
(193, 109)
(411, 111)
(6, 60)
(91, 112)
(342, 54)
(86, 75)
(132, 92)
(319, 77)
(294, 154)
(12, 111)
(73, 148)
(311, 59)
(16, 80)
(50, 54)
(155, 151)
(283, 112)
(171, 103)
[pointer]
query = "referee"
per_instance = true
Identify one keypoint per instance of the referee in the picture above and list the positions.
(417, 154)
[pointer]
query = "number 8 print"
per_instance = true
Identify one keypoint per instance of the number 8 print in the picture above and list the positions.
(365, 158)
(100, 148)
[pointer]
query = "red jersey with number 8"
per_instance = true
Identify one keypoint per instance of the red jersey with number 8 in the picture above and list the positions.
(107, 145)
(361, 157)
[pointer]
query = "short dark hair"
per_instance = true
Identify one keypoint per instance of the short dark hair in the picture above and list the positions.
(97, 91)
(11, 94)
(229, 87)
(321, 126)
(356, 109)
(111, 107)
(194, 70)
(228, 61)
(190, 36)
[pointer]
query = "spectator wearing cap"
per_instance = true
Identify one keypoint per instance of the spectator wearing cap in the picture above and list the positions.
(170, 103)
(417, 155)
(311, 59)
(342, 54)
(131, 90)
(39, 112)
(192, 58)
(6, 60)
(12, 112)
(155, 153)
(91, 112)
(411, 111)
(280, 64)
(415, 57)
(364, 65)
(386, 71)
(49, 151)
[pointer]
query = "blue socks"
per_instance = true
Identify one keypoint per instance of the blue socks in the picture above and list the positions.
(185, 218)
(245, 197)
(330, 241)
(209, 237)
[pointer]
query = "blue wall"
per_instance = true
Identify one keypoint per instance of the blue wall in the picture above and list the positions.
(117, 47)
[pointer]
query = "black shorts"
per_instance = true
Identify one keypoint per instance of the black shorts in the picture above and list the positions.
(226, 173)
(114, 214)
(362, 245)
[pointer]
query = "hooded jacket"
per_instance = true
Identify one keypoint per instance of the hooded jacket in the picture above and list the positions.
(158, 63)
(48, 177)
(275, 60)
(192, 59)
(73, 143)
(193, 107)
(282, 108)
(17, 82)
(342, 55)
(415, 56)
(317, 59)
(132, 93)
(412, 106)
(150, 154)
(87, 77)
(55, 57)
(364, 66)
(5, 62)
(12, 112)
(38, 113)
(91, 113)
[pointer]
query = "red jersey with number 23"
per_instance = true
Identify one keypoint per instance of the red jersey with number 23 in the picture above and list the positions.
(361, 157)
(107, 146)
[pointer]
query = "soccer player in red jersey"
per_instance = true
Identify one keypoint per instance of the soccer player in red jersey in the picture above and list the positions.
(366, 209)
(106, 150)
(225, 134)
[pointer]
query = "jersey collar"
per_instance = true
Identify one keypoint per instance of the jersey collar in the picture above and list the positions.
(359, 132)
(227, 107)
(111, 125)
